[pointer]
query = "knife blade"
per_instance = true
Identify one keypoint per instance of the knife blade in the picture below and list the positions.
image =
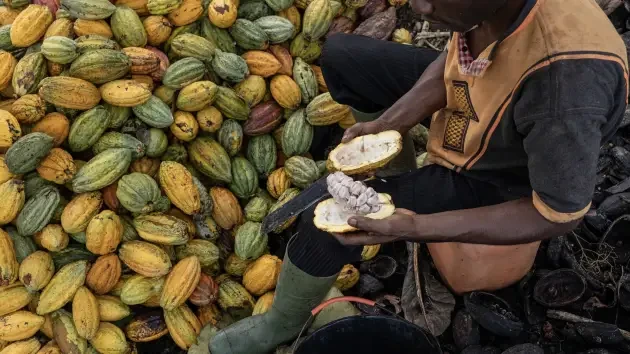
(307, 198)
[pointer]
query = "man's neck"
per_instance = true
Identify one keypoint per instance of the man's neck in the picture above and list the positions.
(490, 31)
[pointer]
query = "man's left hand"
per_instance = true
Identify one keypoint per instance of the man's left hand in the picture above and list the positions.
(399, 226)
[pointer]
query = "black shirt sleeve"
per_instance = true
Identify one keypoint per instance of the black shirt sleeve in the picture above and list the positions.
(565, 111)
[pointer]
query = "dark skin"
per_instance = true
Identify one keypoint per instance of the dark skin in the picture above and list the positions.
(510, 223)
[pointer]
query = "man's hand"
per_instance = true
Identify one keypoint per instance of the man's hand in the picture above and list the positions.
(360, 129)
(373, 231)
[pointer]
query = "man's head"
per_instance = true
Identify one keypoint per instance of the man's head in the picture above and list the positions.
(457, 15)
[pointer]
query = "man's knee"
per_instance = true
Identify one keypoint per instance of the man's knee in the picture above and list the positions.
(335, 51)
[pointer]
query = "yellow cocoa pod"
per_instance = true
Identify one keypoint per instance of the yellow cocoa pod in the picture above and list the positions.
(5, 174)
(66, 335)
(80, 210)
(177, 183)
(8, 15)
(293, 15)
(348, 277)
(10, 130)
(125, 93)
(192, 229)
(139, 6)
(262, 275)
(20, 325)
(62, 287)
(139, 289)
(369, 252)
(9, 266)
(29, 109)
(111, 308)
(185, 126)
(50, 348)
(209, 119)
(165, 94)
(104, 274)
(188, 12)
(252, 90)
(13, 297)
(227, 211)
(180, 283)
(109, 339)
(55, 125)
(183, 326)
(12, 197)
(7, 66)
(36, 270)
(161, 228)
(101, 27)
(278, 182)
(261, 63)
(28, 346)
(196, 96)
(285, 91)
(52, 237)
(158, 29)
(103, 233)
(69, 92)
(58, 166)
(143, 61)
(85, 313)
(348, 121)
(145, 258)
(402, 35)
(60, 27)
(222, 13)
(321, 83)
(264, 303)
(30, 25)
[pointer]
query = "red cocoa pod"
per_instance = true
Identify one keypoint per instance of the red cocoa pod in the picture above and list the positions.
(341, 24)
(53, 5)
(164, 63)
(263, 118)
(206, 292)
(372, 8)
(379, 26)
(110, 198)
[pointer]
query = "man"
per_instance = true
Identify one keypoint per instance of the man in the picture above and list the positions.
(521, 102)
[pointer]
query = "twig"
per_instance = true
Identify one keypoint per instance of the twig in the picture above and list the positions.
(569, 317)
(432, 35)
(416, 274)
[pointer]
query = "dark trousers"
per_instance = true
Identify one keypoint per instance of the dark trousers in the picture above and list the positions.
(371, 75)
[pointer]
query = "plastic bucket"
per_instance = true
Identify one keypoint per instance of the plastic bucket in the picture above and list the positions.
(369, 335)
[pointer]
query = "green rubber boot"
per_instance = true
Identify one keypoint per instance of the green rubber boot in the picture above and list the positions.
(297, 293)
(404, 162)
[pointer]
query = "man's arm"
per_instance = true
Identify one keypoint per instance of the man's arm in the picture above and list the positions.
(426, 97)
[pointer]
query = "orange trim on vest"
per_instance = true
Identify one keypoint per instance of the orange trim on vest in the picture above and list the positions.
(555, 216)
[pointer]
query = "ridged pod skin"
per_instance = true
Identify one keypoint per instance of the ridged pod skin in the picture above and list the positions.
(305, 78)
(285, 197)
(245, 178)
(154, 113)
(12, 196)
(261, 63)
(143, 61)
(118, 140)
(229, 66)
(196, 96)
(206, 251)
(177, 183)
(30, 25)
(55, 125)
(162, 7)
(249, 35)
(7, 15)
(297, 134)
(52, 237)
(85, 313)
(348, 277)
(206, 292)
(305, 50)
(139, 6)
(250, 242)
(58, 166)
(139, 289)
(188, 12)
(263, 118)
(125, 93)
(83, 27)
(235, 266)
(146, 165)
(111, 308)
(62, 287)
(28, 109)
(100, 65)
(264, 303)
(185, 126)
(165, 94)
(38, 211)
(262, 275)
(28, 73)
(155, 141)
(102, 170)
(65, 333)
(210, 314)
(256, 209)
(210, 158)
(209, 119)
(59, 49)
(277, 28)
(104, 233)
(348, 121)
(138, 193)
(162, 229)
(104, 274)
(109, 339)
(285, 91)
(284, 57)
(323, 110)
(97, 9)
(302, 171)
(293, 15)
(69, 92)
(26, 153)
(227, 211)
(183, 72)
(183, 326)
(231, 105)
(50, 348)
(145, 258)
(222, 13)
(180, 283)
(262, 153)
(80, 210)
(251, 90)
(13, 297)
(319, 76)
(158, 29)
(235, 300)
(219, 36)
(19, 325)
(127, 27)
(7, 66)
(10, 130)
(146, 327)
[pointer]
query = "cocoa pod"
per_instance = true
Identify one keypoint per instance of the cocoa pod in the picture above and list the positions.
(372, 8)
(379, 26)
(341, 24)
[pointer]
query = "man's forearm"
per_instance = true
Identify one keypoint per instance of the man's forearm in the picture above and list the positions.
(426, 97)
(509, 223)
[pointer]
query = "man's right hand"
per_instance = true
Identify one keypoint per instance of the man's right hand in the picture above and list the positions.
(360, 129)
